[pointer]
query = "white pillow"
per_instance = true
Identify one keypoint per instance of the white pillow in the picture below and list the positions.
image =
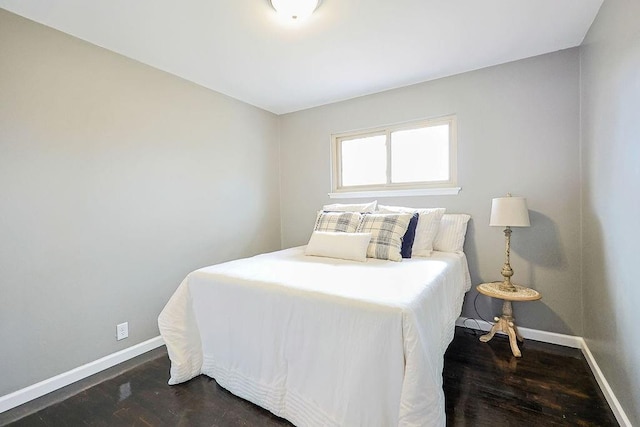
(450, 237)
(387, 231)
(426, 230)
(336, 244)
(352, 207)
(346, 222)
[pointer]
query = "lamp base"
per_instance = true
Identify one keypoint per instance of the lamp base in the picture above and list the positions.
(507, 286)
(507, 271)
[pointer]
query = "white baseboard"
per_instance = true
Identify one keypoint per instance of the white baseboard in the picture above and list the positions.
(34, 391)
(532, 334)
(567, 341)
(621, 416)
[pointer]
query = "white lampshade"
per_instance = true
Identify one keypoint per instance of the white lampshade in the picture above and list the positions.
(509, 211)
(295, 9)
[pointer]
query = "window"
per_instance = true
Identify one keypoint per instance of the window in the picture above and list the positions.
(411, 158)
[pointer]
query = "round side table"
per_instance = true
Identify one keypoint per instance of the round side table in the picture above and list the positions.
(506, 322)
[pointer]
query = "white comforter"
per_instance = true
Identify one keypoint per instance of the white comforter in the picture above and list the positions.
(321, 341)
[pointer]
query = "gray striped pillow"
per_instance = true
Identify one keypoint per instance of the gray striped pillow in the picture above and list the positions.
(386, 231)
(346, 222)
(451, 234)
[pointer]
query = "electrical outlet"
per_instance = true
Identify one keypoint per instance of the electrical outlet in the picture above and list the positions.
(122, 331)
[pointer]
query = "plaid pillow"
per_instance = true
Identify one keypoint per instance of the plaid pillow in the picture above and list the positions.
(387, 231)
(346, 222)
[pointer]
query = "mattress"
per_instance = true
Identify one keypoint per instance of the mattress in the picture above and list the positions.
(321, 341)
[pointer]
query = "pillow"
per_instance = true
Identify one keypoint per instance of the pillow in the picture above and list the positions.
(386, 231)
(346, 222)
(335, 244)
(409, 237)
(354, 207)
(428, 224)
(453, 228)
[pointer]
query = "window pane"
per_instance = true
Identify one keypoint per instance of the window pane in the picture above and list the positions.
(364, 161)
(419, 155)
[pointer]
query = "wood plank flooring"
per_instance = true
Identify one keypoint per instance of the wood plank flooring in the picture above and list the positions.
(484, 386)
(550, 385)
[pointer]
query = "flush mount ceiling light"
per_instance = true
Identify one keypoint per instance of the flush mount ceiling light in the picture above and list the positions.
(295, 9)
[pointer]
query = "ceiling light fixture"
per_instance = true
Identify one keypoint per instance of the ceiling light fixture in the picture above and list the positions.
(295, 9)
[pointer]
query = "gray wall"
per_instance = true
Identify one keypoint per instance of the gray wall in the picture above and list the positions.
(116, 180)
(610, 66)
(518, 132)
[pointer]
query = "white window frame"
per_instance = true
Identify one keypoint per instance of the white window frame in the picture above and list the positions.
(395, 189)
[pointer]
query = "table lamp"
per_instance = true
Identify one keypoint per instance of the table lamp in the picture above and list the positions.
(508, 212)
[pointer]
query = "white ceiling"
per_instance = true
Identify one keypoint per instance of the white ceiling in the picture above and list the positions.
(347, 48)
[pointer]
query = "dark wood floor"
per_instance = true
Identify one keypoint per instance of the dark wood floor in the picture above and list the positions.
(550, 385)
(484, 386)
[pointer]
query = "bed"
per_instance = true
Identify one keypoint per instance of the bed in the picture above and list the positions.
(321, 341)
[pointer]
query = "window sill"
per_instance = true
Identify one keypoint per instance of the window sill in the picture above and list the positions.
(448, 191)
